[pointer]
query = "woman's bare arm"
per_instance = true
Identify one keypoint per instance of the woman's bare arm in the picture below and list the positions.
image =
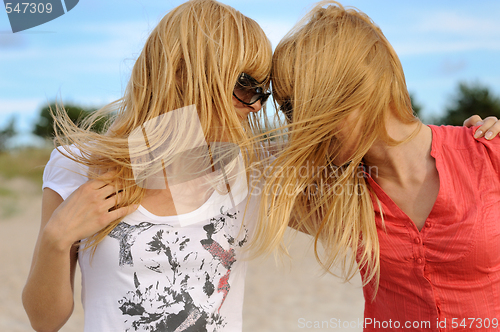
(48, 293)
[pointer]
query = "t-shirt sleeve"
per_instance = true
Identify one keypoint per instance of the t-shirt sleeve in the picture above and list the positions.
(62, 174)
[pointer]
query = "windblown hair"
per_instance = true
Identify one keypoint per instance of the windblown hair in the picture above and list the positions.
(192, 57)
(335, 62)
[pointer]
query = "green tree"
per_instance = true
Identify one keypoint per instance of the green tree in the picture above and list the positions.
(44, 126)
(7, 133)
(471, 99)
(415, 105)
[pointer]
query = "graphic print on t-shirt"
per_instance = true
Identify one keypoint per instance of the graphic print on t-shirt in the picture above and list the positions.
(193, 274)
(127, 234)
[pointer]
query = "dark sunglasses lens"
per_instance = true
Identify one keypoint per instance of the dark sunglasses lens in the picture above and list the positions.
(264, 98)
(248, 90)
(247, 95)
(287, 109)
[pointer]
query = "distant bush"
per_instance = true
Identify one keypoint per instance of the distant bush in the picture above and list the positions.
(470, 99)
(7, 133)
(44, 126)
(28, 163)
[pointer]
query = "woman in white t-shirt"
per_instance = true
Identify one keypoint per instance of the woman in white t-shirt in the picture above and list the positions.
(157, 210)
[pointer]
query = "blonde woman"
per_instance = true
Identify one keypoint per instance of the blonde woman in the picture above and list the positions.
(159, 227)
(415, 208)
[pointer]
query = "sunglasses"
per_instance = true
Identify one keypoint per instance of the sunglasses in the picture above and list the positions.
(287, 109)
(249, 91)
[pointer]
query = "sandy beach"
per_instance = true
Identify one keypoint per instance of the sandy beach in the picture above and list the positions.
(284, 297)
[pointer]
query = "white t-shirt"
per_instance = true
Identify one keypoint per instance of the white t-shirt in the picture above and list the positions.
(164, 273)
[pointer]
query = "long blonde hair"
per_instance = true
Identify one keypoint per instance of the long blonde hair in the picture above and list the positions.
(192, 57)
(334, 62)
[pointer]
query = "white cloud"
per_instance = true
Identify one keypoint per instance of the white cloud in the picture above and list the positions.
(19, 106)
(452, 67)
(421, 47)
(10, 40)
(128, 31)
(446, 32)
(460, 24)
(24, 110)
(104, 40)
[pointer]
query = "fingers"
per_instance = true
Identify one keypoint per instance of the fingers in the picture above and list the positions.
(122, 212)
(89, 209)
(103, 185)
(489, 128)
(472, 121)
(105, 192)
(110, 213)
(112, 201)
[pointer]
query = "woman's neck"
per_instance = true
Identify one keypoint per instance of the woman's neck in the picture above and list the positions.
(404, 163)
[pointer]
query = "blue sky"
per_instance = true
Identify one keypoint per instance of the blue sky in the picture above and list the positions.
(86, 55)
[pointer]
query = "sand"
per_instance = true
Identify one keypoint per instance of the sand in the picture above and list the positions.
(288, 296)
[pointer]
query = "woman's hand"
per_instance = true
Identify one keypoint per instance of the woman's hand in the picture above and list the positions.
(489, 127)
(87, 210)
(48, 294)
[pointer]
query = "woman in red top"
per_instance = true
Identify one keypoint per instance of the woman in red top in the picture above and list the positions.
(419, 205)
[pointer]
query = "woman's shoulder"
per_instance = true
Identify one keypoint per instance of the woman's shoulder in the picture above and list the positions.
(460, 136)
(63, 157)
(63, 174)
(480, 150)
(453, 135)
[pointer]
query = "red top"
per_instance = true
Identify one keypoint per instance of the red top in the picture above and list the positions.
(447, 274)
